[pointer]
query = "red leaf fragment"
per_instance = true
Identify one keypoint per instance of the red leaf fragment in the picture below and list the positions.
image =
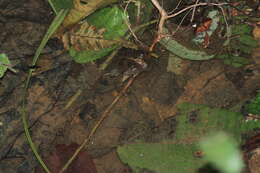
(204, 26)
(206, 41)
(83, 163)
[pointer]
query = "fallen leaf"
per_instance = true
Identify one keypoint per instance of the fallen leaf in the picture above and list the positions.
(204, 26)
(57, 159)
(206, 41)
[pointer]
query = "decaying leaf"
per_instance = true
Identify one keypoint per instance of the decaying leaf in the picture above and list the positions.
(80, 10)
(207, 28)
(86, 37)
(204, 26)
(83, 163)
(97, 35)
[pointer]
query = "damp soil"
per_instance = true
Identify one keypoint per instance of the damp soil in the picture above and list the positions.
(146, 111)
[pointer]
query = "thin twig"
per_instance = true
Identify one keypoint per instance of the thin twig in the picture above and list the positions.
(102, 118)
(127, 22)
(196, 5)
(179, 25)
(73, 99)
(165, 16)
(226, 22)
(179, 3)
(193, 12)
(105, 64)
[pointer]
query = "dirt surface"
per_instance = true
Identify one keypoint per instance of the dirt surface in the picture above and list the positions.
(144, 112)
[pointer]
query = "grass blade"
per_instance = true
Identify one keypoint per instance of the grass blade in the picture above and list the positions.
(53, 27)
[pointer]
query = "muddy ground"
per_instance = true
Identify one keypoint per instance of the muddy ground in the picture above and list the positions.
(150, 100)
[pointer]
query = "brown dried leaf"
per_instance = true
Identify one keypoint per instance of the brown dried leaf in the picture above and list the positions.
(86, 37)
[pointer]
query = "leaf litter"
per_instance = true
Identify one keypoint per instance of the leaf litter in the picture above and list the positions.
(200, 83)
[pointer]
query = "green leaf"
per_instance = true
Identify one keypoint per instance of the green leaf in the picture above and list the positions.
(177, 155)
(253, 106)
(223, 56)
(235, 61)
(248, 40)
(4, 62)
(81, 9)
(112, 19)
(161, 158)
(51, 30)
(236, 45)
(223, 152)
(182, 51)
(209, 120)
(58, 5)
(241, 17)
(241, 29)
(89, 55)
(206, 121)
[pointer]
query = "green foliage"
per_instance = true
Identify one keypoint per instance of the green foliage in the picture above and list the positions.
(241, 42)
(210, 120)
(194, 122)
(235, 61)
(223, 152)
(182, 51)
(237, 47)
(248, 40)
(4, 63)
(58, 5)
(89, 55)
(197, 121)
(112, 20)
(163, 158)
(241, 29)
(253, 106)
